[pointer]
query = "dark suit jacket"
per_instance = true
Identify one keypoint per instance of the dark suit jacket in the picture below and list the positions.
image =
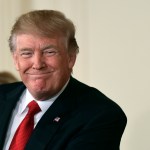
(88, 119)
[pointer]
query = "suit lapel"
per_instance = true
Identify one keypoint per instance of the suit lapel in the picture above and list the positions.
(45, 130)
(52, 119)
(7, 104)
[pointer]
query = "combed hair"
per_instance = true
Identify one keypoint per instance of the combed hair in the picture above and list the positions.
(47, 23)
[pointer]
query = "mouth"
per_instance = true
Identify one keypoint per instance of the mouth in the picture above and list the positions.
(39, 74)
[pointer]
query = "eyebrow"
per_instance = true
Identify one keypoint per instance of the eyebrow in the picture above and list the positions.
(25, 49)
(42, 48)
(48, 47)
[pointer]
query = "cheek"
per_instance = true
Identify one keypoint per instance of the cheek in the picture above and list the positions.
(55, 62)
(22, 66)
(19, 63)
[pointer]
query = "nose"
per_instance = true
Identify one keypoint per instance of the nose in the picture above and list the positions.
(38, 62)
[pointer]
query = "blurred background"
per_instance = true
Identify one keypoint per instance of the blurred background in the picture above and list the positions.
(114, 41)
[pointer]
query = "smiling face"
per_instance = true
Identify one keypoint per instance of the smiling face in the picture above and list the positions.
(44, 64)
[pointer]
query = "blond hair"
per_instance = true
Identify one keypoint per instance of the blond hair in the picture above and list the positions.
(46, 23)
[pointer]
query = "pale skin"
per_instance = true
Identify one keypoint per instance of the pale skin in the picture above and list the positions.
(44, 64)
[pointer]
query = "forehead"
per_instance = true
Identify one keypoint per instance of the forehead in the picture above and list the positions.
(29, 40)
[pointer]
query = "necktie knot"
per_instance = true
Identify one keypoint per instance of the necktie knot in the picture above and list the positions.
(33, 108)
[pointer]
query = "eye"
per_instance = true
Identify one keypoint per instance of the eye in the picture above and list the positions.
(26, 54)
(50, 52)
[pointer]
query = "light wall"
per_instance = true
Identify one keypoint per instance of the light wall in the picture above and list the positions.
(114, 40)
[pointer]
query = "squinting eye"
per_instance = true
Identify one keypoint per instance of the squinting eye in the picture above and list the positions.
(50, 52)
(26, 54)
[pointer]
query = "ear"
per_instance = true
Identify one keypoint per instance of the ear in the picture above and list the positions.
(72, 59)
(15, 60)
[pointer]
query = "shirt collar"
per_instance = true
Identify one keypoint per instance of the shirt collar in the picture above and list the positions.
(26, 98)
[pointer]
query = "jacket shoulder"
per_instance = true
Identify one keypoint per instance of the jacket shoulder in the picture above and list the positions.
(92, 100)
(10, 86)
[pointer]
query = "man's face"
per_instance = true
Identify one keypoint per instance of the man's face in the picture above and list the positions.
(44, 64)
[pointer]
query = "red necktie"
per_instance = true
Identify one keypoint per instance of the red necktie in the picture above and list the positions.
(25, 128)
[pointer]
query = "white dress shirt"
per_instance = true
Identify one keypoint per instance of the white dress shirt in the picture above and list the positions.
(21, 110)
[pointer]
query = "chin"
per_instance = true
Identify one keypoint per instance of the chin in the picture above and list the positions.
(40, 89)
(41, 94)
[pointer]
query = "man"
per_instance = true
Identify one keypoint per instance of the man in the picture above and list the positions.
(69, 114)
